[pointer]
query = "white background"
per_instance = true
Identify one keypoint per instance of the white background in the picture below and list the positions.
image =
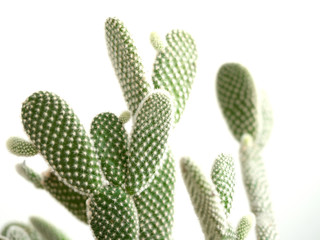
(59, 46)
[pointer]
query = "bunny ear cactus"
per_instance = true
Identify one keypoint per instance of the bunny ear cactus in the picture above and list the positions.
(38, 230)
(21, 147)
(175, 67)
(250, 121)
(121, 185)
(174, 71)
(19, 231)
(212, 201)
(237, 99)
(126, 62)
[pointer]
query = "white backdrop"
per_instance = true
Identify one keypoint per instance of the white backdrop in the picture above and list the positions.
(59, 46)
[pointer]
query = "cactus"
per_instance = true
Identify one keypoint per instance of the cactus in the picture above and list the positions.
(39, 229)
(212, 201)
(21, 147)
(120, 184)
(250, 121)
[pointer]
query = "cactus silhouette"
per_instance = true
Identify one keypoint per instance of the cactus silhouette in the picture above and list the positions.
(120, 184)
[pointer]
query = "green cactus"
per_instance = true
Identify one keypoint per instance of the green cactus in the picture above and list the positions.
(70, 199)
(56, 131)
(125, 117)
(175, 67)
(121, 185)
(47, 230)
(21, 147)
(38, 230)
(113, 215)
(223, 177)
(23, 231)
(111, 141)
(29, 174)
(127, 63)
(155, 204)
(251, 122)
(237, 99)
(244, 226)
(211, 210)
(148, 143)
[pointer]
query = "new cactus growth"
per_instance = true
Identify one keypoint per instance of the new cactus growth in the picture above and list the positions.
(250, 122)
(120, 184)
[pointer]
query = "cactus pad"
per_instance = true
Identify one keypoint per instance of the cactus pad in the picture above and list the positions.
(126, 62)
(206, 201)
(245, 226)
(113, 215)
(30, 231)
(111, 141)
(73, 201)
(21, 147)
(47, 230)
(237, 99)
(223, 177)
(155, 205)
(29, 175)
(175, 68)
(56, 131)
(148, 142)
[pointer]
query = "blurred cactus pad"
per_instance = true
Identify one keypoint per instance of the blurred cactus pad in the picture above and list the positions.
(249, 117)
(121, 184)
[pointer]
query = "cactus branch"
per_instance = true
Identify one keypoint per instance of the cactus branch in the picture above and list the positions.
(148, 141)
(21, 147)
(175, 68)
(111, 141)
(29, 174)
(126, 62)
(206, 201)
(56, 131)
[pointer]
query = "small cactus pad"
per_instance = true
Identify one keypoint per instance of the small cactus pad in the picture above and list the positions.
(29, 175)
(125, 117)
(111, 141)
(113, 215)
(156, 41)
(31, 232)
(223, 177)
(155, 205)
(148, 140)
(126, 62)
(47, 230)
(237, 99)
(205, 200)
(21, 147)
(175, 68)
(245, 226)
(17, 233)
(73, 201)
(56, 131)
